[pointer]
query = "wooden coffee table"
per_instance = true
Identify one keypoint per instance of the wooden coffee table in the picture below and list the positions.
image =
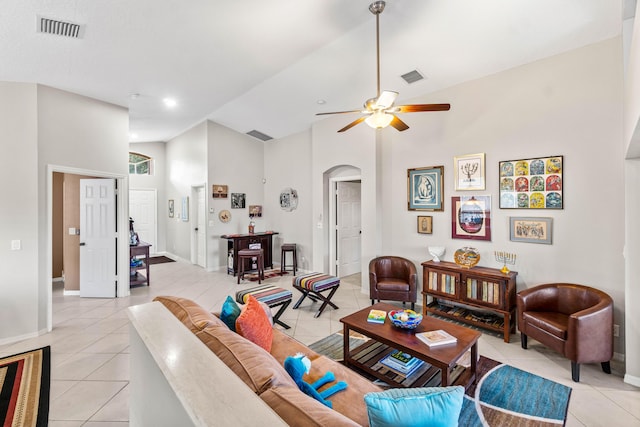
(443, 369)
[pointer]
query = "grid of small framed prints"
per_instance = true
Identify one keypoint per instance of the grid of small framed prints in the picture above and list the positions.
(531, 183)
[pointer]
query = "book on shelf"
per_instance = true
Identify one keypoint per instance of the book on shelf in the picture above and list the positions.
(376, 316)
(401, 362)
(435, 338)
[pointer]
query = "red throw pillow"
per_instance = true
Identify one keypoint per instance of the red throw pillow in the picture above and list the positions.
(254, 325)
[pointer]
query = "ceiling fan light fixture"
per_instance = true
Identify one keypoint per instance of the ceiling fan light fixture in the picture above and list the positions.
(379, 120)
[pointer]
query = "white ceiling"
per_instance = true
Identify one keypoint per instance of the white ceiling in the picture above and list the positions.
(263, 65)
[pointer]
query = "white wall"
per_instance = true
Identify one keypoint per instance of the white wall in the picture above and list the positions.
(236, 160)
(19, 316)
(287, 163)
(155, 150)
(186, 166)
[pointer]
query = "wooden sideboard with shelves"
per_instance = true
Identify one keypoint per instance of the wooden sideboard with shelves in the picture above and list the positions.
(479, 296)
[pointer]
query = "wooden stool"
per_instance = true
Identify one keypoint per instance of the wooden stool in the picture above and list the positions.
(288, 247)
(312, 284)
(273, 296)
(249, 254)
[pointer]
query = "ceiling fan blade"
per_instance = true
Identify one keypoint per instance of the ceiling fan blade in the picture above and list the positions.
(421, 107)
(353, 123)
(386, 99)
(339, 112)
(398, 124)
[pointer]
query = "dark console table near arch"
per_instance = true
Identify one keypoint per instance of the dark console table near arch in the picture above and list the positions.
(236, 242)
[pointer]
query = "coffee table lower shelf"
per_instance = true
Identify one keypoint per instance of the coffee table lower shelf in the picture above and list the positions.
(366, 359)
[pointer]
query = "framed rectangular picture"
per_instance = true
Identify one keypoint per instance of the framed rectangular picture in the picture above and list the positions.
(184, 215)
(219, 191)
(255, 211)
(425, 224)
(530, 230)
(469, 172)
(531, 183)
(471, 217)
(237, 200)
(425, 189)
(171, 208)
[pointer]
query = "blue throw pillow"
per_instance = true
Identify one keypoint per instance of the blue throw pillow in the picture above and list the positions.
(229, 313)
(414, 407)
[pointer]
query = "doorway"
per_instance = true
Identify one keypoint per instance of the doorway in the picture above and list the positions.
(345, 220)
(143, 209)
(199, 227)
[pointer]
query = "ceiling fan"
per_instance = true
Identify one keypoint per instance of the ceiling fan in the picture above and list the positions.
(379, 112)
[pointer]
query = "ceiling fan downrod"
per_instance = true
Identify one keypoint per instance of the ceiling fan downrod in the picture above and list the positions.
(376, 8)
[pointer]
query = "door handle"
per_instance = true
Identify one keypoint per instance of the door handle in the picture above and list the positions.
(82, 243)
(196, 229)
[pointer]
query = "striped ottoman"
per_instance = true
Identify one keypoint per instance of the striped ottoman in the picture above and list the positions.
(312, 284)
(273, 296)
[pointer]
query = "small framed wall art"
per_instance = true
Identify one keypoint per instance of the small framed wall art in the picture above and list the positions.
(425, 189)
(532, 183)
(469, 172)
(288, 199)
(238, 200)
(184, 215)
(471, 217)
(220, 191)
(425, 224)
(171, 208)
(530, 230)
(255, 211)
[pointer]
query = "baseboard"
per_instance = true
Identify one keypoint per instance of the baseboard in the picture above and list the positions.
(618, 357)
(75, 293)
(12, 340)
(633, 380)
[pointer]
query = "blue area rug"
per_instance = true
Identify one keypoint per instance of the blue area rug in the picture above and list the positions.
(508, 396)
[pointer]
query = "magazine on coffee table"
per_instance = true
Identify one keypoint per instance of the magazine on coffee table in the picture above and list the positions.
(436, 338)
(402, 363)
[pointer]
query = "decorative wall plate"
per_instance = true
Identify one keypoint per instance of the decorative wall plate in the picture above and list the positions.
(288, 199)
(224, 216)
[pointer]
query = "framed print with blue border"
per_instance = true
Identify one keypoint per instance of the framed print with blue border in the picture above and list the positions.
(425, 189)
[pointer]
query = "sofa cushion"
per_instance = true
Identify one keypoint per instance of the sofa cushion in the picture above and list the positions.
(251, 363)
(192, 315)
(283, 346)
(552, 322)
(415, 407)
(300, 410)
(253, 324)
(229, 313)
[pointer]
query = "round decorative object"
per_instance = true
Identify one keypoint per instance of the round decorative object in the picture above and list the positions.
(405, 319)
(467, 257)
(224, 216)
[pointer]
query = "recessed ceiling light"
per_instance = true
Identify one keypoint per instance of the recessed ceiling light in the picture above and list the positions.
(133, 135)
(170, 102)
(321, 101)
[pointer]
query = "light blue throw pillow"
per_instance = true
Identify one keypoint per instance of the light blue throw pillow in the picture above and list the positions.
(415, 407)
(229, 313)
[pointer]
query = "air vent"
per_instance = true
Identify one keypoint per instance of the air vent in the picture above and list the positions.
(261, 136)
(412, 76)
(59, 28)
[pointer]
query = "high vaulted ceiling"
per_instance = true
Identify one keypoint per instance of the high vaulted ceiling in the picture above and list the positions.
(263, 65)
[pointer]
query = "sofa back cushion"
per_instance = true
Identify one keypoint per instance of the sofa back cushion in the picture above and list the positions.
(250, 362)
(298, 409)
(192, 315)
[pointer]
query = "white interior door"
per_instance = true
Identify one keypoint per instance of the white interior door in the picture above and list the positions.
(143, 208)
(97, 238)
(200, 230)
(348, 227)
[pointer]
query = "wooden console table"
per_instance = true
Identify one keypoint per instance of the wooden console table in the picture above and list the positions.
(236, 242)
(135, 251)
(479, 296)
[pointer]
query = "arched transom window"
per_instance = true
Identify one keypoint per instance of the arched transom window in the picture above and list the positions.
(139, 164)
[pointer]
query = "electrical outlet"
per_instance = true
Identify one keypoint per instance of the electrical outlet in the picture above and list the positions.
(616, 330)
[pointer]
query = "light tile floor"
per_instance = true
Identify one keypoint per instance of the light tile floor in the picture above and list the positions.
(90, 356)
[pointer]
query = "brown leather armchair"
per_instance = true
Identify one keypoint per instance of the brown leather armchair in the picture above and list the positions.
(392, 278)
(574, 320)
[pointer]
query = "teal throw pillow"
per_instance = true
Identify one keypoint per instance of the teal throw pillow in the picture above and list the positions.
(229, 313)
(414, 407)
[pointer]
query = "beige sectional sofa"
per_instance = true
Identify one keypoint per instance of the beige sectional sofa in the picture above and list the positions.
(264, 374)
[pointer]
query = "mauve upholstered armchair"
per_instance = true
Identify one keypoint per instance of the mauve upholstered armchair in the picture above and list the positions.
(392, 278)
(574, 320)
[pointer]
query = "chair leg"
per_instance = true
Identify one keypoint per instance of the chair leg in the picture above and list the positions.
(575, 371)
(523, 340)
(413, 306)
(606, 367)
(372, 302)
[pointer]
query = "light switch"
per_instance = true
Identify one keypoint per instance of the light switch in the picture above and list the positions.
(16, 245)
(72, 231)
(212, 223)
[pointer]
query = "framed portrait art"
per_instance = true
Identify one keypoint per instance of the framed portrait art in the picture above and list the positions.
(471, 217)
(171, 208)
(530, 230)
(469, 172)
(425, 224)
(425, 190)
(532, 183)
